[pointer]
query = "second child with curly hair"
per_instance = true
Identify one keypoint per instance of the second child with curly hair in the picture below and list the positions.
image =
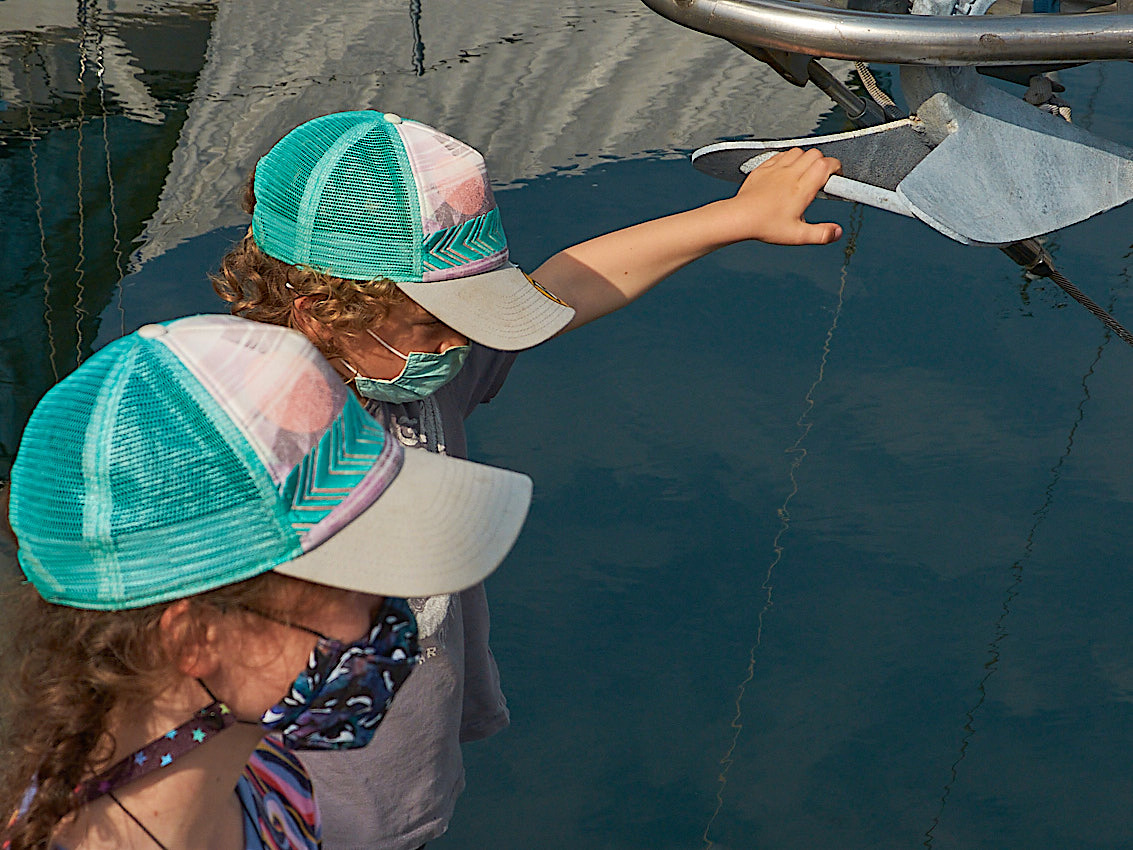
(379, 238)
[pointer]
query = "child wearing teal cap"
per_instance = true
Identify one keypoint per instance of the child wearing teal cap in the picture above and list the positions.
(217, 542)
(379, 238)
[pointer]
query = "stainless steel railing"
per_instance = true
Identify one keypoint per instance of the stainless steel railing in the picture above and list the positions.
(908, 39)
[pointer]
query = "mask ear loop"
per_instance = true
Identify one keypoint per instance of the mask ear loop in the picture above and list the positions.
(387, 346)
(207, 690)
(354, 373)
(356, 376)
(222, 706)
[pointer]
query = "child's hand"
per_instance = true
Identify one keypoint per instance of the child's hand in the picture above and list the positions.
(772, 201)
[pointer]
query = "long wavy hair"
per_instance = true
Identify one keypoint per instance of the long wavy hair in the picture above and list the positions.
(75, 667)
(264, 289)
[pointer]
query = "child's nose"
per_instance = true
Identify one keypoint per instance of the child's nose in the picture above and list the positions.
(452, 340)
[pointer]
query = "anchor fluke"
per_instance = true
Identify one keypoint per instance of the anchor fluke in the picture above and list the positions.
(978, 165)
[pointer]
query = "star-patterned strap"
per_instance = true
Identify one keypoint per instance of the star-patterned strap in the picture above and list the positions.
(158, 753)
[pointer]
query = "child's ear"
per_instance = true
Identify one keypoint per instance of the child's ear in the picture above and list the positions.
(303, 322)
(190, 635)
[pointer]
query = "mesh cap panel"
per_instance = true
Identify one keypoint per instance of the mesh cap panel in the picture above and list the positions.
(144, 495)
(337, 195)
(366, 215)
(104, 506)
(58, 447)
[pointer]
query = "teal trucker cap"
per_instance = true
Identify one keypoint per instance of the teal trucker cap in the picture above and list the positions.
(369, 195)
(207, 450)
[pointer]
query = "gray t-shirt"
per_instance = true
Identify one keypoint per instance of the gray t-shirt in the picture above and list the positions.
(399, 792)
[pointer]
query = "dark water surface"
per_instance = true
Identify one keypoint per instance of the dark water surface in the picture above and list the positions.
(828, 546)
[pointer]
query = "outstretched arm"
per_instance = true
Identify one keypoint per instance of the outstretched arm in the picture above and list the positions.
(603, 274)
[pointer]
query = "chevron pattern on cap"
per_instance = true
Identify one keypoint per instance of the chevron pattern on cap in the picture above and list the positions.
(333, 468)
(465, 243)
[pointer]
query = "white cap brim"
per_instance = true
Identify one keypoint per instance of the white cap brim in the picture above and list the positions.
(501, 309)
(441, 526)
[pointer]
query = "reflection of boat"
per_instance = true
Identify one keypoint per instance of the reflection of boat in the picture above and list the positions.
(44, 42)
(979, 164)
(89, 101)
(536, 86)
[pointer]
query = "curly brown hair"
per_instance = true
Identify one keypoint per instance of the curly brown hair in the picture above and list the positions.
(325, 308)
(79, 665)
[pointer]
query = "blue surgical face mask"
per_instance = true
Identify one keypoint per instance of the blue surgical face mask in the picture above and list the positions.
(342, 695)
(421, 376)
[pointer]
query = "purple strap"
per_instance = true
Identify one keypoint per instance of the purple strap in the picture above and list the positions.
(158, 753)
